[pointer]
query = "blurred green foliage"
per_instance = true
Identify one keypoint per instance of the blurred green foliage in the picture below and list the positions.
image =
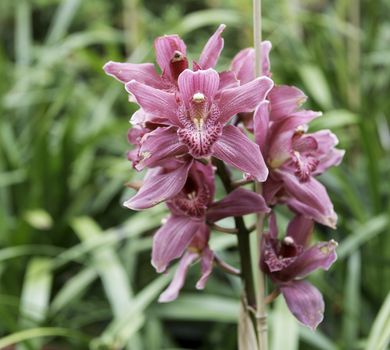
(74, 264)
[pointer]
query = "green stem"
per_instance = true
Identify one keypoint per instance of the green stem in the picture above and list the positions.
(243, 239)
(261, 312)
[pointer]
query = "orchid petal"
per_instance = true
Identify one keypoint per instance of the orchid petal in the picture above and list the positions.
(166, 46)
(327, 154)
(170, 241)
(201, 81)
(227, 80)
(177, 283)
(261, 125)
(285, 100)
(244, 98)
(158, 145)
(157, 102)
(310, 198)
(144, 73)
(207, 260)
(212, 50)
(281, 136)
(305, 302)
(237, 203)
(299, 229)
(236, 149)
(140, 117)
(320, 256)
(159, 186)
(243, 63)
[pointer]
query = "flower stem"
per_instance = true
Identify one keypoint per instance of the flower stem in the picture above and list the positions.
(261, 312)
(243, 240)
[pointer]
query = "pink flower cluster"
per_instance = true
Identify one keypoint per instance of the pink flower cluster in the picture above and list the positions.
(188, 117)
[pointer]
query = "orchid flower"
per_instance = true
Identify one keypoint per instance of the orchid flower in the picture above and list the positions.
(186, 233)
(294, 158)
(287, 261)
(197, 115)
(171, 56)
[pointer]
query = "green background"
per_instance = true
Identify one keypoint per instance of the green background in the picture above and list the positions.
(75, 265)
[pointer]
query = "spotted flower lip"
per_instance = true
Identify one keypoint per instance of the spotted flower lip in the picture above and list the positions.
(288, 260)
(198, 113)
(185, 234)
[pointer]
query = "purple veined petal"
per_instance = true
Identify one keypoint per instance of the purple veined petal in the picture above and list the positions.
(331, 159)
(320, 256)
(144, 73)
(212, 50)
(310, 199)
(244, 98)
(281, 136)
(243, 64)
(158, 186)
(300, 229)
(271, 188)
(261, 125)
(304, 143)
(166, 47)
(140, 117)
(172, 239)
(305, 302)
(237, 203)
(327, 154)
(266, 47)
(285, 100)
(236, 149)
(202, 81)
(326, 140)
(158, 145)
(206, 265)
(227, 80)
(154, 101)
(177, 283)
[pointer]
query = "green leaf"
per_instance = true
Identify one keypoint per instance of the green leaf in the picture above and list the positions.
(201, 307)
(35, 294)
(39, 219)
(334, 119)
(352, 300)
(73, 288)
(32, 333)
(379, 338)
(285, 330)
(316, 84)
(317, 340)
(362, 234)
(202, 18)
(62, 19)
(122, 329)
(114, 278)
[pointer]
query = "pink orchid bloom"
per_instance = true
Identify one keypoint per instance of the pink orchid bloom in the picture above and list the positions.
(287, 261)
(171, 56)
(284, 99)
(294, 158)
(196, 118)
(185, 233)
